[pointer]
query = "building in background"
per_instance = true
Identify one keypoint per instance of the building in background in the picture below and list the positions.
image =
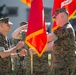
(18, 12)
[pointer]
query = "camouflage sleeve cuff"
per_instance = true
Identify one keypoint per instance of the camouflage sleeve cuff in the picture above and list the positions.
(54, 37)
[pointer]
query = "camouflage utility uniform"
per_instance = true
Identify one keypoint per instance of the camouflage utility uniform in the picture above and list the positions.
(20, 63)
(75, 56)
(40, 64)
(64, 51)
(5, 63)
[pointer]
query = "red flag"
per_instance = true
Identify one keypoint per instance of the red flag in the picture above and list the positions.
(28, 2)
(70, 5)
(36, 33)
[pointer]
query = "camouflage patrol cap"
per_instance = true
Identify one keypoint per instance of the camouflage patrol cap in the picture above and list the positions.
(6, 21)
(23, 23)
(60, 10)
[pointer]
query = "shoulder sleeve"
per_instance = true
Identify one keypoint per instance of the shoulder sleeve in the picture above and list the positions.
(53, 36)
(64, 32)
(1, 44)
(1, 40)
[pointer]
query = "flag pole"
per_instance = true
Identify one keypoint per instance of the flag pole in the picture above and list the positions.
(31, 63)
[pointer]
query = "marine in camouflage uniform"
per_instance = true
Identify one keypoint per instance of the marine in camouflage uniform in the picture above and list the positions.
(5, 63)
(63, 52)
(5, 47)
(20, 63)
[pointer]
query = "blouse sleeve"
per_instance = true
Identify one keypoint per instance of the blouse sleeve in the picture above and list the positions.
(64, 32)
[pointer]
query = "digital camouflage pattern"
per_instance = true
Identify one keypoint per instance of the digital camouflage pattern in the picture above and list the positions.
(64, 51)
(20, 63)
(40, 64)
(75, 55)
(5, 63)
